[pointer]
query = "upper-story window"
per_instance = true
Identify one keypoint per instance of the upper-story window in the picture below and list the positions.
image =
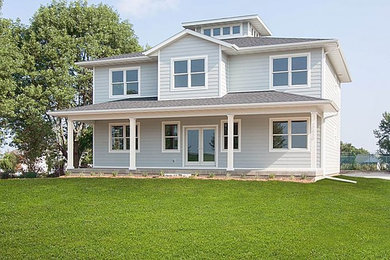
(223, 31)
(189, 72)
(290, 71)
(124, 82)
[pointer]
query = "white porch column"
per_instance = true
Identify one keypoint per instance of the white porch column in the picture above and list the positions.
(230, 151)
(70, 145)
(132, 152)
(313, 139)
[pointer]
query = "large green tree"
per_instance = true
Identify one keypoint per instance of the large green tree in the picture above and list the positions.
(61, 34)
(383, 134)
(349, 149)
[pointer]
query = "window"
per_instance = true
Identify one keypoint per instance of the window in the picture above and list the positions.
(120, 137)
(290, 71)
(226, 30)
(289, 134)
(207, 32)
(188, 73)
(236, 135)
(125, 82)
(236, 29)
(170, 139)
(216, 31)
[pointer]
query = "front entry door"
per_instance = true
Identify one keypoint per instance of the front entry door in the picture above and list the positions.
(200, 146)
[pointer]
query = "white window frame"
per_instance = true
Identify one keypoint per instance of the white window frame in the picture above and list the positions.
(221, 36)
(188, 59)
(289, 70)
(124, 125)
(289, 120)
(163, 137)
(223, 135)
(124, 82)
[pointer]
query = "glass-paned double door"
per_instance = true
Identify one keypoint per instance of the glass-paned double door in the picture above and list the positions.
(200, 146)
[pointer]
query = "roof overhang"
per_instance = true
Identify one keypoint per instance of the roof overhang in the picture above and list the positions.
(96, 63)
(209, 110)
(253, 19)
(186, 32)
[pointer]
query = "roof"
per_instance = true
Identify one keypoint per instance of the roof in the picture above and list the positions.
(184, 33)
(254, 19)
(122, 56)
(238, 98)
(243, 42)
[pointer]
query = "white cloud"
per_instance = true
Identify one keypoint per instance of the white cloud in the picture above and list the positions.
(140, 8)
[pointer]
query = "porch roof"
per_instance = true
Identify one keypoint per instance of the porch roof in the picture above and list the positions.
(230, 100)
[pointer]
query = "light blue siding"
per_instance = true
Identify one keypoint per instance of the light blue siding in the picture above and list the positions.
(254, 152)
(186, 47)
(148, 81)
(251, 72)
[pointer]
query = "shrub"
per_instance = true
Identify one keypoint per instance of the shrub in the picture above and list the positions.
(303, 176)
(228, 174)
(101, 174)
(144, 174)
(292, 177)
(272, 176)
(115, 173)
(29, 175)
(67, 173)
(211, 175)
(92, 173)
(161, 173)
(4, 175)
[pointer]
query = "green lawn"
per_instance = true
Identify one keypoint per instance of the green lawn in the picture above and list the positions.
(188, 218)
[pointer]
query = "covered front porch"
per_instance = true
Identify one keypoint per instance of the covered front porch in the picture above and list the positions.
(233, 134)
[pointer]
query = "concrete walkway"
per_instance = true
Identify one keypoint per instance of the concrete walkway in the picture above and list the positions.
(377, 175)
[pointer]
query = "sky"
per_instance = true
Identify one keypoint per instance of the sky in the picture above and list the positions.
(362, 28)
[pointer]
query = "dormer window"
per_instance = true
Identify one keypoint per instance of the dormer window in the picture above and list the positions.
(124, 82)
(189, 72)
(236, 29)
(223, 31)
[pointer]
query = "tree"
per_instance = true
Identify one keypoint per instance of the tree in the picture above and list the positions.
(383, 134)
(60, 35)
(349, 149)
(10, 163)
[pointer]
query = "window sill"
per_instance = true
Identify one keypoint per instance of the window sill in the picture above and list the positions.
(290, 87)
(122, 151)
(234, 150)
(170, 151)
(188, 88)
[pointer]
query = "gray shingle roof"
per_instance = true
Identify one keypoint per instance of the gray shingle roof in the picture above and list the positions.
(263, 41)
(228, 99)
(121, 56)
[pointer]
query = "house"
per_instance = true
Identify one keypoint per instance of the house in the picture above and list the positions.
(222, 95)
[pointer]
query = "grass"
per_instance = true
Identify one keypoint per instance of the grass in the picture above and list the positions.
(193, 219)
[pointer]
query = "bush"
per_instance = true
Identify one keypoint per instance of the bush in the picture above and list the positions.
(29, 175)
(5, 175)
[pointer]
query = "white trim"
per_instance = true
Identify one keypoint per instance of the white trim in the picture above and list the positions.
(124, 137)
(253, 19)
(289, 149)
(124, 69)
(223, 121)
(219, 71)
(323, 64)
(201, 163)
(189, 73)
(313, 139)
(113, 61)
(230, 152)
(93, 143)
(190, 32)
(289, 70)
(158, 75)
(93, 85)
(69, 164)
(163, 123)
(198, 108)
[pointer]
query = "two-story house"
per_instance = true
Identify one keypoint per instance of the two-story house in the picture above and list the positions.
(221, 95)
